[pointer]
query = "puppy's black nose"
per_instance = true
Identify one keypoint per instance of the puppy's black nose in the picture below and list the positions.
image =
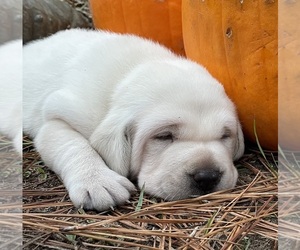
(207, 179)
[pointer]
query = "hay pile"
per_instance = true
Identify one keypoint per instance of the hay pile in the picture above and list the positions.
(10, 197)
(289, 200)
(241, 218)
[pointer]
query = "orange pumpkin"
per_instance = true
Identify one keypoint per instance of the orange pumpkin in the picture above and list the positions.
(237, 42)
(289, 68)
(159, 20)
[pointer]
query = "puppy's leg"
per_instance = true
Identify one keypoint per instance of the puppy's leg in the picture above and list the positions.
(89, 181)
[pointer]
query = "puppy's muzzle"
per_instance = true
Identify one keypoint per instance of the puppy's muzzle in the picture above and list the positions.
(206, 179)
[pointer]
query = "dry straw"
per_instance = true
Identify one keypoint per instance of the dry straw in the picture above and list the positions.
(229, 219)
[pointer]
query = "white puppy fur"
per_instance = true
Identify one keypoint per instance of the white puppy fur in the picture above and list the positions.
(11, 92)
(107, 109)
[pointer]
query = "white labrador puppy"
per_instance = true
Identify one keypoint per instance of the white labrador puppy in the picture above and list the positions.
(107, 109)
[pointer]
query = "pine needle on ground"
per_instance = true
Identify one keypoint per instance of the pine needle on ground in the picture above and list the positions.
(245, 216)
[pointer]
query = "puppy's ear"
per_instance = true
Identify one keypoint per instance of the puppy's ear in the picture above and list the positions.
(239, 144)
(112, 140)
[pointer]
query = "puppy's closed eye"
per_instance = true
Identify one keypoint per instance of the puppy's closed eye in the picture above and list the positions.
(165, 136)
(226, 134)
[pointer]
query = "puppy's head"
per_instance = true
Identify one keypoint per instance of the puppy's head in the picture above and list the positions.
(174, 130)
(188, 154)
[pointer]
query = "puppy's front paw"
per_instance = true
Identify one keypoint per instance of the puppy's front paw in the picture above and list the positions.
(100, 190)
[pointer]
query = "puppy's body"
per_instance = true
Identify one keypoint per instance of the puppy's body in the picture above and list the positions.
(103, 107)
(87, 64)
(11, 92)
